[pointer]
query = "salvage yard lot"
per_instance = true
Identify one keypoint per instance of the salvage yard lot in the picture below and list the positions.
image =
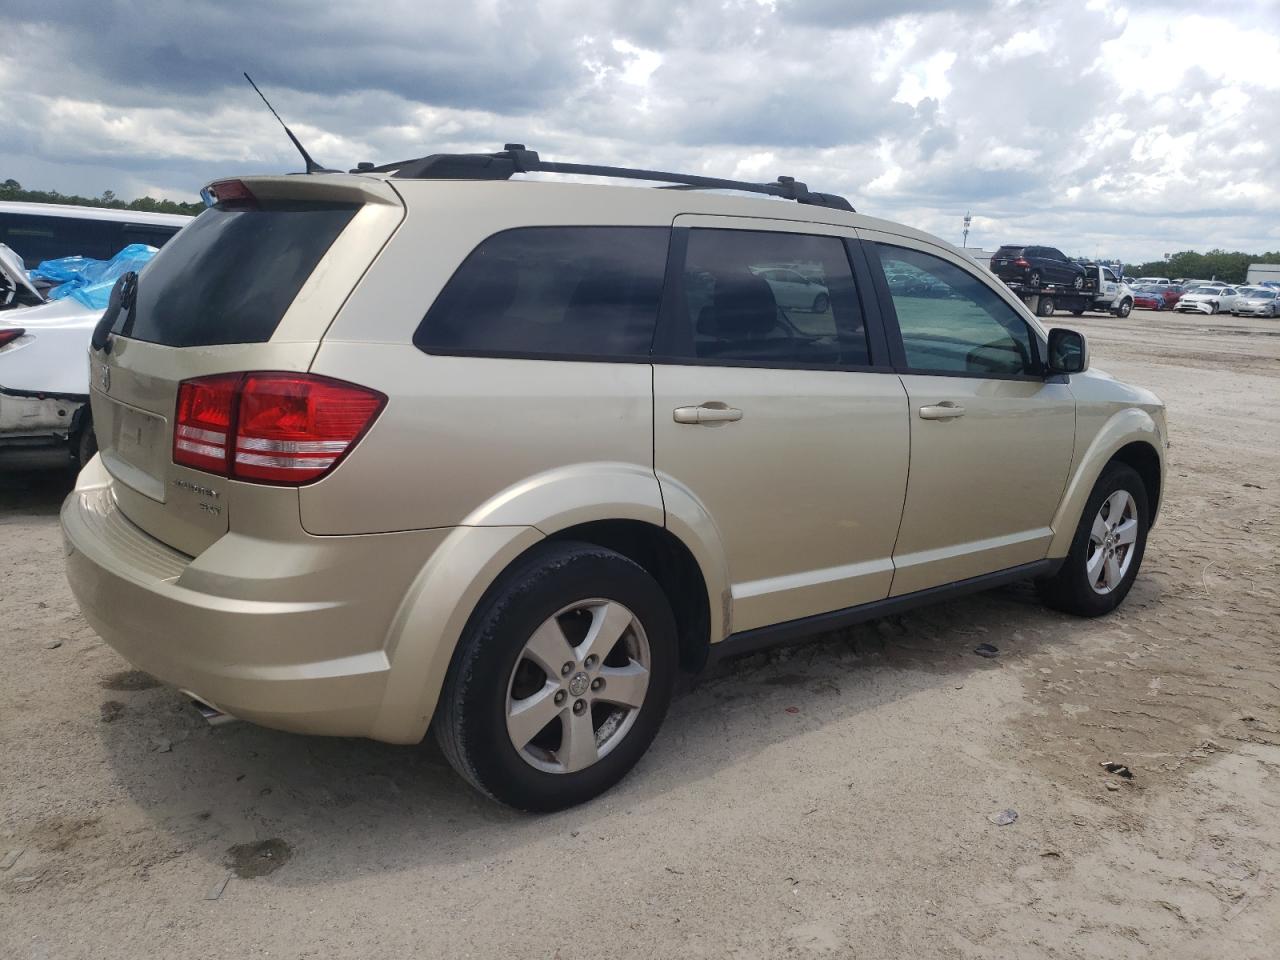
(828, 800)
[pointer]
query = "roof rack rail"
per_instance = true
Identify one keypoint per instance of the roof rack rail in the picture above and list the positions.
(515, 158)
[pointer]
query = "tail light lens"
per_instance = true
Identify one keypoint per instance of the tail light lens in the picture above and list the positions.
(1021, 262)
(277, 428)
(204, 421)
(10, 334)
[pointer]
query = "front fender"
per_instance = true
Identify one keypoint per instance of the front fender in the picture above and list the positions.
(1122, 428)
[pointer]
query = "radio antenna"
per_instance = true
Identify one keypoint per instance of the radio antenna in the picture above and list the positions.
(311, 165)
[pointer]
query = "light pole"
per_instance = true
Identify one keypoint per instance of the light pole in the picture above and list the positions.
(968, 219)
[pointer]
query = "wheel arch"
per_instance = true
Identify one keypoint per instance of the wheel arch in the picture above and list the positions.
(614, 505)
(1132, 437)
(671, 563)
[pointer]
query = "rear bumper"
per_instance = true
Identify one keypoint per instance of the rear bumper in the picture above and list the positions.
(311, 659)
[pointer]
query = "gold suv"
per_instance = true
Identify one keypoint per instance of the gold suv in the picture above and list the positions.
(426, 446)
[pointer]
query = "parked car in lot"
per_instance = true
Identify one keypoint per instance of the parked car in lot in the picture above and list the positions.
(795, 291)
(1257, 302)
(1154, 296)
(1207, 299)
(1037, 266)
(461, 461)
(48, 231)
(1154, 281)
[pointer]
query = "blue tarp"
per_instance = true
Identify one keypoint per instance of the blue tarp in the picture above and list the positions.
(90, 281)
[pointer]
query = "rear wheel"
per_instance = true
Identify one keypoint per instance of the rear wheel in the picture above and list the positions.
(561, 679)
(1034, 279)
(1078, 313)
(1107, 549)
(85, 443)
(1045, 307)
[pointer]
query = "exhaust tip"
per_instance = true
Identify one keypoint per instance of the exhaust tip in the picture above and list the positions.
(212, 715)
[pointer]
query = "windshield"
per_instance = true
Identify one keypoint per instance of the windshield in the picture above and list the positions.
(1260, 294)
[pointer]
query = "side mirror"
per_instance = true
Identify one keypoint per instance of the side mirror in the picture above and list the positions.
(1068, 351)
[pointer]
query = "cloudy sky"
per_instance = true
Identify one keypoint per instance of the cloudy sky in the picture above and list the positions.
(1107, 127)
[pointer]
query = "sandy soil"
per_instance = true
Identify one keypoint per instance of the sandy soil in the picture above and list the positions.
(855, 826)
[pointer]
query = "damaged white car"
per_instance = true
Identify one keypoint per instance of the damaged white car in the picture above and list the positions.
(44, 373)
(1208, 299)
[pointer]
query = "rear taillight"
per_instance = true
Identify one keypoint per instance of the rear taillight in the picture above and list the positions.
(10, 334)
(203, 422)
(1021, 262)
(279, 428)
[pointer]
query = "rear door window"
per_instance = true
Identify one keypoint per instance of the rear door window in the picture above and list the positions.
(230, 275)
(553, 292)
(759, 297)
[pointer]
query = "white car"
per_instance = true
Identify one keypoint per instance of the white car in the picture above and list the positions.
(1158, 281)
(1208, 299)
(44, 375)
(1257, 302)
(794, 291)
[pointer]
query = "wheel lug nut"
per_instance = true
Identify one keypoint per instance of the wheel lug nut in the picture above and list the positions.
(560, 697)
(591, 661)
(597, 683)
(579, 707)
(566, 669)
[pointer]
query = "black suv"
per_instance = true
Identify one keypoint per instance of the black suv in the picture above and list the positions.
(1037, 266)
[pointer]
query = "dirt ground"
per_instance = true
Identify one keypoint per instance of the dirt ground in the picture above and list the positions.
(855, 825)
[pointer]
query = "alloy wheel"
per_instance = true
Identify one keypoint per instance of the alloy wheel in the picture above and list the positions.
(578, 686)
(1111, 542)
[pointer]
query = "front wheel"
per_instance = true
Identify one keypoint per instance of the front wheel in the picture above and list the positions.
(561, 679)
(1213, 308)
(1107, 549)
(1125, 308)
(821, 302)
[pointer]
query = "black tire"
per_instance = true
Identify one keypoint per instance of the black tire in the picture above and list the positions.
(470, 721)
(1213, 308)
(1045, 307)
(1069, 590)
(821, 302)
(86, 444)
(1034, 279)
(1078, 281)
(1077, 313)
(1125, 308)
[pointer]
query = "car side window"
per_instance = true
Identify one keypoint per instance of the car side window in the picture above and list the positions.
(553, 292)
(751, 296)
(1108, 275)
(952, 322)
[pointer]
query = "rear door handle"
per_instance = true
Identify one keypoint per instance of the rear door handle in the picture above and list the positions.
(710, 412)
(946, 410)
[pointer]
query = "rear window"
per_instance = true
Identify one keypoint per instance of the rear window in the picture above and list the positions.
(1009, 252)
(230, 276)
(553, 292)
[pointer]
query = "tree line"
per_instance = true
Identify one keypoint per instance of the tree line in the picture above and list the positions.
(1228, 266)
(12, 190)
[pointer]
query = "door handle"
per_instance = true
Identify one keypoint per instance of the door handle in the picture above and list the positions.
(711, 412)
(946, 410)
